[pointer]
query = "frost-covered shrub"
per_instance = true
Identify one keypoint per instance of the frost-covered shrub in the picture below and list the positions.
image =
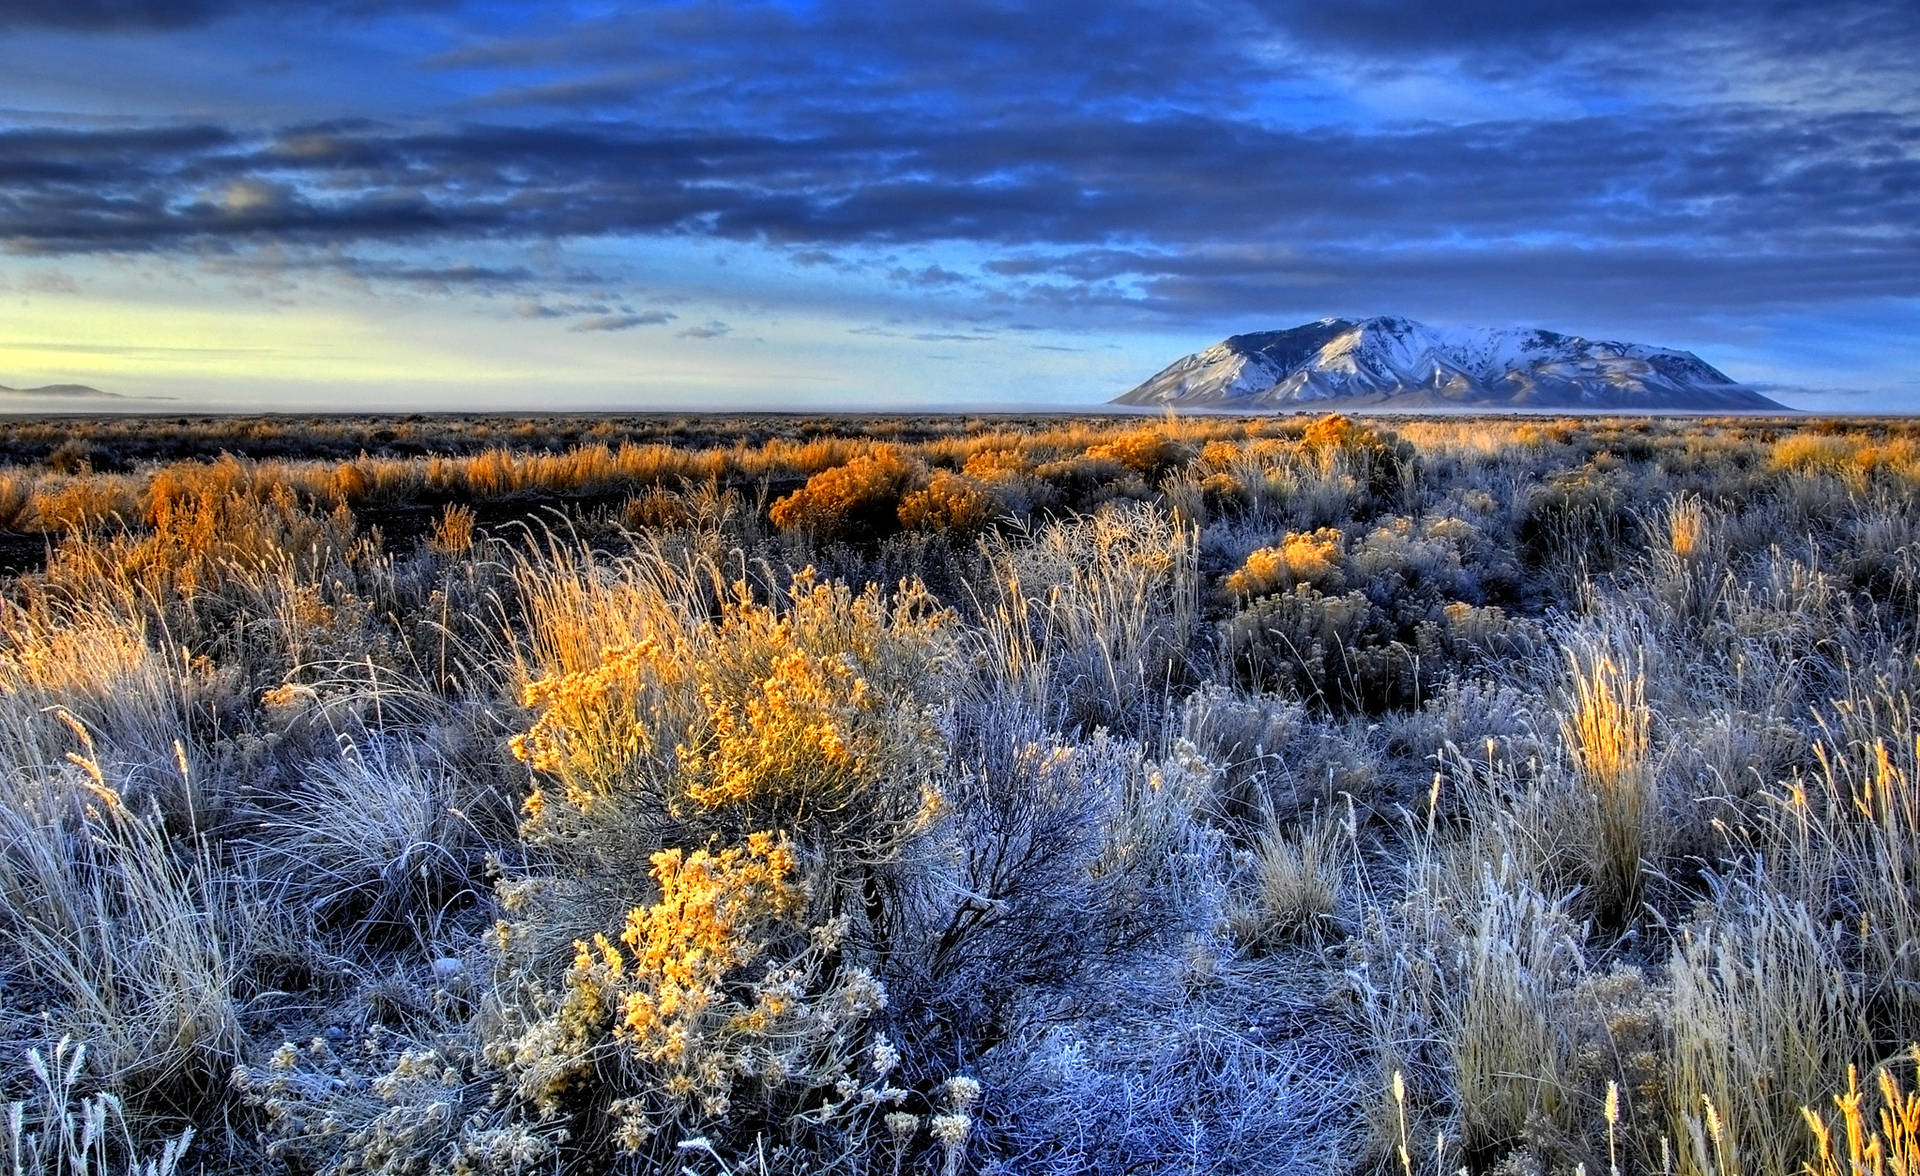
(720, 1011)
(1576, 521)
(1090, 620)
(771, 766)
(1341, 652)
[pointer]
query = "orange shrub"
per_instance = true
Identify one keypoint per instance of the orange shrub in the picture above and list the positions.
(1144, 451)
(858, 499)
(989, 462)
(948, 502)
(1303, 557)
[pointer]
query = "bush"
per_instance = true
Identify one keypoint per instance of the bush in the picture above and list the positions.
(948, 502)
(772, 765)
(719, 1013)
(1310, 558)
(1338, 652)
(818, 717)
(858, 500)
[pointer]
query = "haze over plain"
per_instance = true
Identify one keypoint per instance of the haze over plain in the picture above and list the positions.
(436, 204)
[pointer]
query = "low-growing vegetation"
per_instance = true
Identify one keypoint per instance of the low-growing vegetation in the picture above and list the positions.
(959, 795)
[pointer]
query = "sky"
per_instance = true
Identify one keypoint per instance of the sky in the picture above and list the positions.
(861, 204)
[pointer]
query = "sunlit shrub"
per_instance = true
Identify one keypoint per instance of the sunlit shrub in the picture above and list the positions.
(948, 502)
(1303, 557)
(1606, 735)
(1384, 464)
(1813, 452)
(84, 503)
(1145, 451)
(988, 462)
(16, 498)
(860, 499)
(453, 533)
(716, 1010)
(816, 718)
(1883, 1141)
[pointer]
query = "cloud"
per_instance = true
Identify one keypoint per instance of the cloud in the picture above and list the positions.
(122, 16)
(50, 281)
(813, 257)
(624, 322)
(1732, 210)
(274, 262)
(1125, 161)
(926, 277)
(778, 66)
(709, 330)
(1754, 181)
(69, 392)
(1413, 26)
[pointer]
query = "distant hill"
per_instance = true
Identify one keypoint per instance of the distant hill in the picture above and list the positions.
(1392, 362)
(64, 391)
(47, 392)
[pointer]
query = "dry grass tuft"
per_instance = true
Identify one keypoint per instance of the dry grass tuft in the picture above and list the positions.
(1606, 732)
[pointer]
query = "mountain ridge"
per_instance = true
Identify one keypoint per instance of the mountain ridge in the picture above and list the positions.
(1390, 361)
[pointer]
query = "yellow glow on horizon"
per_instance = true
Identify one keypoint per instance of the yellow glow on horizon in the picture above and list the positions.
(73, 340)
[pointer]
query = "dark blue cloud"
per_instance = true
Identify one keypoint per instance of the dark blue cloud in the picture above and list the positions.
(112, 16)
(1173, 163)
(1414, 26)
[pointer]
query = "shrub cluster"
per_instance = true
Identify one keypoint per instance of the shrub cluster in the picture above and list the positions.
(667, 795)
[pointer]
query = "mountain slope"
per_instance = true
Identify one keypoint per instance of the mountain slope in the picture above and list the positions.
(1396, 362)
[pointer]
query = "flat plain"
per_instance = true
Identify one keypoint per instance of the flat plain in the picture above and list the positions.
(774, 794)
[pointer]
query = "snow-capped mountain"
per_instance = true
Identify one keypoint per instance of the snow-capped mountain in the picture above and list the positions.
(1396, 362)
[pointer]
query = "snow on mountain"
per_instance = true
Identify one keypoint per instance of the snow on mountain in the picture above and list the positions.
(1393, 362)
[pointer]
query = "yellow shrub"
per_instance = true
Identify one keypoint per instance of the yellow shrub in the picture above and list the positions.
(1303, 557)
(858, 498)
(715, 993)
(1220, 453)
(1802, 452)
(1333, 430)
(948, 502)
(989, 462)
(1144, 451)
(1887, 1144)
(815, 718)
(453, 533)
(1606, 734)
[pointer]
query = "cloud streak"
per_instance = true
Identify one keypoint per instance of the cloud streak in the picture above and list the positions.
(623, 322)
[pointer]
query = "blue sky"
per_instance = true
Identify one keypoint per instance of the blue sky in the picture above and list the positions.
(434, 204)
